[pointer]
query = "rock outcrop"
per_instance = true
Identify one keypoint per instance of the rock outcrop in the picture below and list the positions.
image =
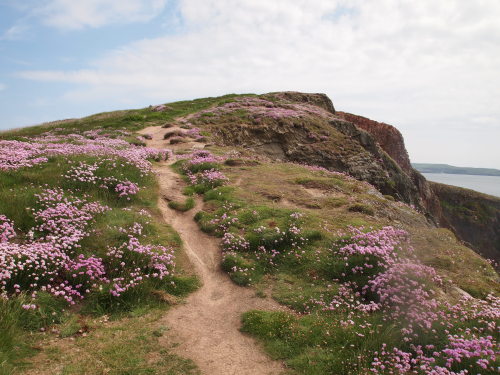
(306, 128)
(391, 141)
(387, 136)
(473, 216)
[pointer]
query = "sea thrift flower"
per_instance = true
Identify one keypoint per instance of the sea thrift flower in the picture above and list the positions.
(126, 189)
(7, 231)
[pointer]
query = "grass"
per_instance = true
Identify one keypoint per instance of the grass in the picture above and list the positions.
(18, 326)
(125, 336)
(131, 120)
(187, 205)
(316, 343)
(130, 345)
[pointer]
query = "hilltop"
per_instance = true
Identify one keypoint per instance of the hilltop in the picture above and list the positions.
(172, 228)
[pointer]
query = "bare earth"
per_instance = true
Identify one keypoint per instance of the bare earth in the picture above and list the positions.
(207, 325)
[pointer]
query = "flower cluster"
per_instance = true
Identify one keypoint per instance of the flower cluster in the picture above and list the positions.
(201, 167)
(472, 351)
(126, 189)
(380, 273)
(132, 262)
(32, 267)
(201, 157)
(261, 108)
(62, 218)
(210, 177)
(7, 231)
(21, 154)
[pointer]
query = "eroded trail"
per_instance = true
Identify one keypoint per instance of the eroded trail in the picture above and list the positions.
(207, 325)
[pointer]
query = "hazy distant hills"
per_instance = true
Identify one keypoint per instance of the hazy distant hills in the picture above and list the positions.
(445, 168)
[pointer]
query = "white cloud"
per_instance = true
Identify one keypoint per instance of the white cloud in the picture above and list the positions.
(15, 32)
(2, 87)
(420, 65)
(73, 15)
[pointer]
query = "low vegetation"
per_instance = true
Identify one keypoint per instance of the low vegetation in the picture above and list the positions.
(364, 300)
(80, 236)
(89, 267)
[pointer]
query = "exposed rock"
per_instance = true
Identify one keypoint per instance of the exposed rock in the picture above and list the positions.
(473, 216)
(320, 100)
(391, 140)
(297, 130)
(160, 108)
(241, 162)
(305, 128)
(387, 136)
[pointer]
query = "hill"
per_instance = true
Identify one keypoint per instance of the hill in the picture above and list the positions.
(171, 228)
(445, 168)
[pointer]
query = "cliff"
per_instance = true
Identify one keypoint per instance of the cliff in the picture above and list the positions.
(306, 128)
(387, 136)
(473, 216)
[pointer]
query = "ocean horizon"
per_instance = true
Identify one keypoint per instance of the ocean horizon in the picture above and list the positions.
(483, 184)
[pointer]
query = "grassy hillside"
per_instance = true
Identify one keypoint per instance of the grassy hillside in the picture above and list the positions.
(370, 285)
(81, 238)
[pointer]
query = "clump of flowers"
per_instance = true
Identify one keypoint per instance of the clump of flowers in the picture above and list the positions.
(211, 178)
(126, 189)
(259, 108)
(29, 153)
(32, 267)
(201, 167)
(7, 231)
(132, 263)
(201, 157)
(378, 272)
(63, 218)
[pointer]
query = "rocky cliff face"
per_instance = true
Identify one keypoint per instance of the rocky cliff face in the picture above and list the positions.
(306, 128)
(473, 216)
(391, 141)
(387, 136)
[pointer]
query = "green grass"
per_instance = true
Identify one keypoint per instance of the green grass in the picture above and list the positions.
(19, 327)
(315, 343)
(131, 120)
(187, 205)
(127, 346)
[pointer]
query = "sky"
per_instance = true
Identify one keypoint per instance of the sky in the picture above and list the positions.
(430, 68)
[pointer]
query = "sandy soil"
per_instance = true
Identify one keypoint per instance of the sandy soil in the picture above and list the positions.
(207, 325)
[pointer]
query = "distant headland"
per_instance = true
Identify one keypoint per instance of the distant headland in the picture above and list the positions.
(445, 168)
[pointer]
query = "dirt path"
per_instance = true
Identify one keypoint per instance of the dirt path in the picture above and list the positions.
(207, 325)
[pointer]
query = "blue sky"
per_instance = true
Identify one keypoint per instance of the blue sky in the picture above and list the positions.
(429, 68)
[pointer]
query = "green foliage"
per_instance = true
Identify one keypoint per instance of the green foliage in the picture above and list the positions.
(221, 194)
(131, 120)
(188, 204)
(242, 271)
(317, 343)
(362, 208)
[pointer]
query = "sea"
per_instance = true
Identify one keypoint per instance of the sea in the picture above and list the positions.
(484, 184)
